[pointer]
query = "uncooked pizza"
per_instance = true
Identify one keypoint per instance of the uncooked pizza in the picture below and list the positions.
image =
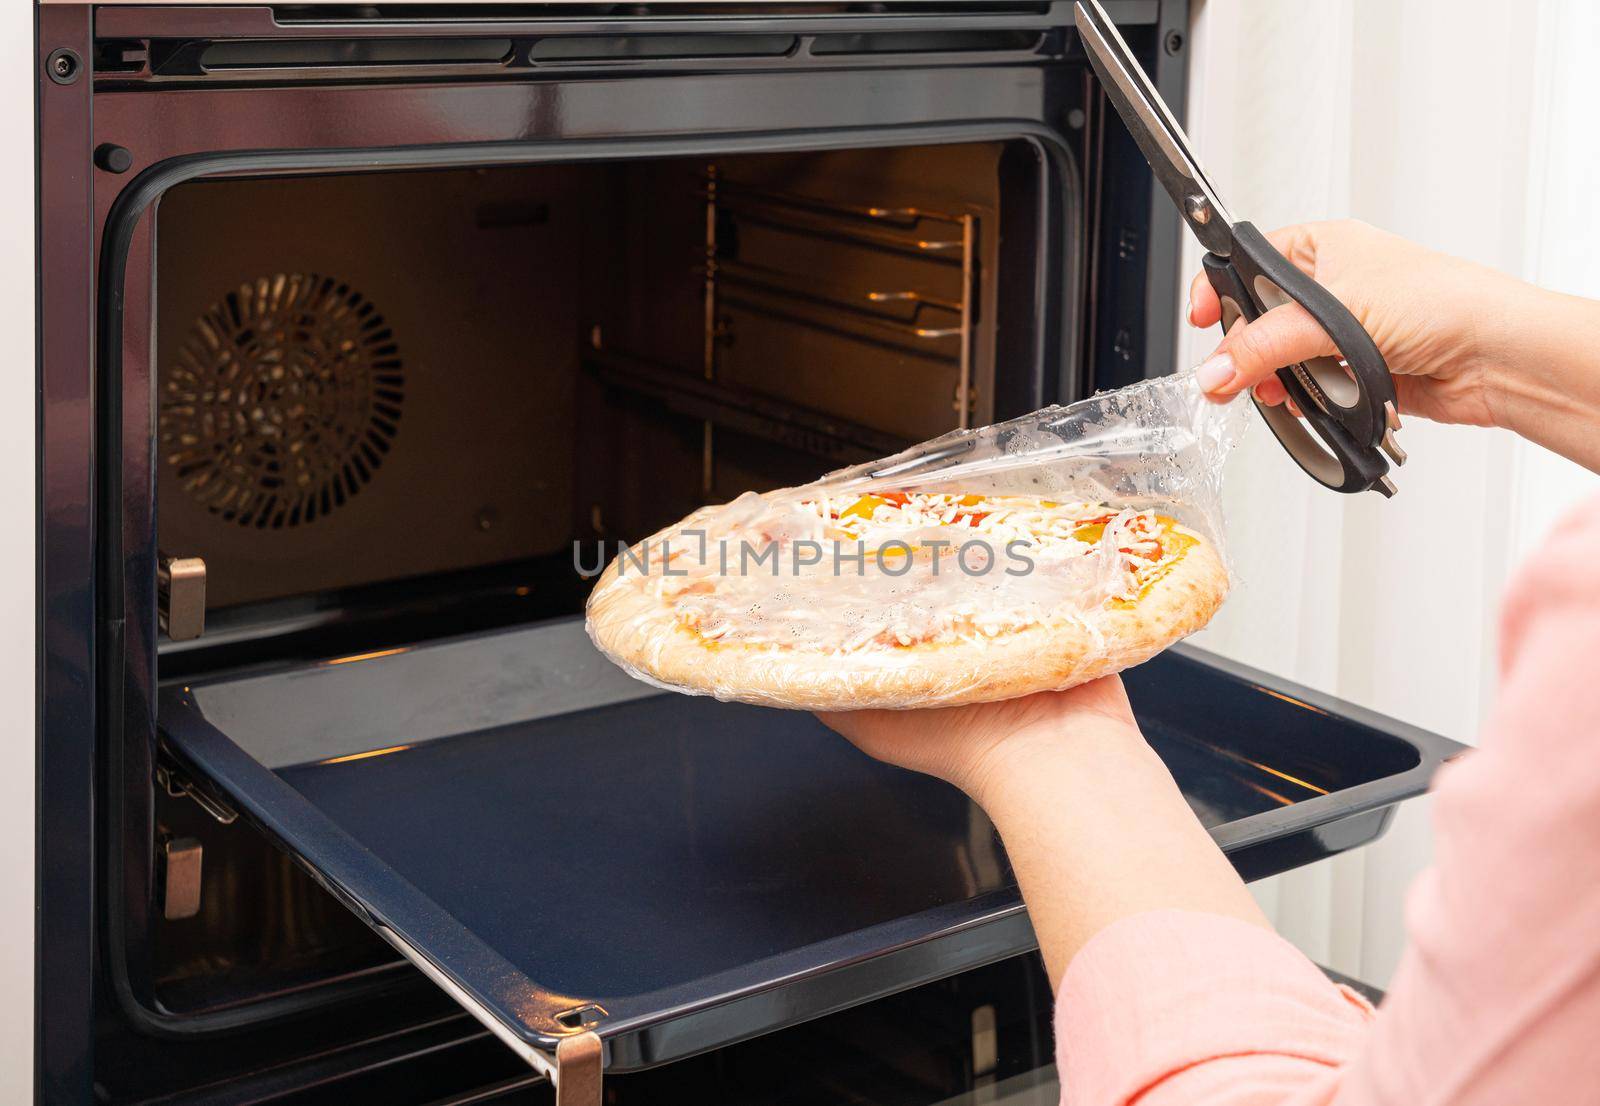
(832, 599)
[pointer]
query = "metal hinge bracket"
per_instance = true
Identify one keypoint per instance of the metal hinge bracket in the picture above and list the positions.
(579, 1070)
(182, 860)
(181, 596)
(180, 786)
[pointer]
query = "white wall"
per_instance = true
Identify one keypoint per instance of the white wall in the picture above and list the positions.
(17, 725)
(1467, 125)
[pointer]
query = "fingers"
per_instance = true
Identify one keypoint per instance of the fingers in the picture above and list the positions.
(1271, 391)
(1204, 307)
(853, 724)
(1297, 242)
(1252, 352)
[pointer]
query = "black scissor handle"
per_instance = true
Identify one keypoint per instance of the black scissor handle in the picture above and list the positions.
(1355, 397)
(1348, 410)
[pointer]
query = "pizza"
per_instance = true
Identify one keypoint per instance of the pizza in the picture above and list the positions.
(834, 599)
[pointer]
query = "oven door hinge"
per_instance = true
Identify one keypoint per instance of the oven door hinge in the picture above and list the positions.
(181, 596)
(179, 785)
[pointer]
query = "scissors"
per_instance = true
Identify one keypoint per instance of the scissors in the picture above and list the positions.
(1348, 401)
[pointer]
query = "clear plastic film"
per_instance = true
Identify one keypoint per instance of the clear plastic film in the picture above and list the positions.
(1025, 556)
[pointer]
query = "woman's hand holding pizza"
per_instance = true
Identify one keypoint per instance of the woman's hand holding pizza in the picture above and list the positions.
(976, 747)
(1466, 344)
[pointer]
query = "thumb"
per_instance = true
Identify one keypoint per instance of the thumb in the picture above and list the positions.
(1253, 351)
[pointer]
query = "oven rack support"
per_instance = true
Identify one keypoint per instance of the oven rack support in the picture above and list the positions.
(713, 334)
(727, 405)
(941, 237)
(576, 1068)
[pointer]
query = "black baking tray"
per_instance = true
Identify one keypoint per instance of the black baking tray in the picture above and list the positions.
(564, 848)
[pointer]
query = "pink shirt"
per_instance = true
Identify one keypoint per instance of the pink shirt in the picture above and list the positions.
(1497, 999)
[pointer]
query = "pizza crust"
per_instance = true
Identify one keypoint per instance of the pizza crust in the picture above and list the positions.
(645, 636)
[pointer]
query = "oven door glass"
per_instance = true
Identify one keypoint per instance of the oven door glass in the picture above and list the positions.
(566, 850)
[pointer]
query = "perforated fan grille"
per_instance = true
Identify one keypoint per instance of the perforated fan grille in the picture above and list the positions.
(283, 401)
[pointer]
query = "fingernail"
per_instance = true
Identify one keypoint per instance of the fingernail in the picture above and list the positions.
(1188, 312)
(1215, 373)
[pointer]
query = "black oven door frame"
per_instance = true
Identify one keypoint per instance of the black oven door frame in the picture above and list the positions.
(308, 130)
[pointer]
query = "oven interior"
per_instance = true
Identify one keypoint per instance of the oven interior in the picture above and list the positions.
(371, 378)
(400, 405)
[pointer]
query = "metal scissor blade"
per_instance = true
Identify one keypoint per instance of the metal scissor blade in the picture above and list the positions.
(1157, 133)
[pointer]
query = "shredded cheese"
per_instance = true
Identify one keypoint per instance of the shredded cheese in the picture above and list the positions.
(1081, 557)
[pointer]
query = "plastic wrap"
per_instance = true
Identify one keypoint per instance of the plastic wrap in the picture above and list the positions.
(983, 564)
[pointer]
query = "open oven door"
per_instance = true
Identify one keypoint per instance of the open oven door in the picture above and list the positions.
(609, 876)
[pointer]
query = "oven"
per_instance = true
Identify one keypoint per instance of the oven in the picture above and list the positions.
(365, 327)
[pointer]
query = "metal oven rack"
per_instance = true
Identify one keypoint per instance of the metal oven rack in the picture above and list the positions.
(917, 317)
(937, 237)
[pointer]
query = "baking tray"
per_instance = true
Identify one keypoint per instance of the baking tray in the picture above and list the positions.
(566, 850)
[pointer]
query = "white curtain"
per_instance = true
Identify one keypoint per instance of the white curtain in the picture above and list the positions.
(1466, 125)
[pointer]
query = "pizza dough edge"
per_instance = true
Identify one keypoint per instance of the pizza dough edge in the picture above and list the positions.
(646, 639)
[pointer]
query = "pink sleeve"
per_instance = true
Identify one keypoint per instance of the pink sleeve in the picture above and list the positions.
(1497, 998)
(1178, 1007)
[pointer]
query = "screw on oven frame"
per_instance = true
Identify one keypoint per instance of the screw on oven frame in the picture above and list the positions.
(1173, 42)
(63, 65)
